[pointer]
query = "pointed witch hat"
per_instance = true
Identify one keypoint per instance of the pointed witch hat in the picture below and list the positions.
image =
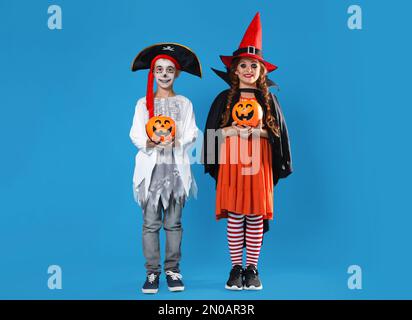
(250, 46)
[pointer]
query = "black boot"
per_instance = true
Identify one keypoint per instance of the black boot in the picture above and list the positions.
(235, 281)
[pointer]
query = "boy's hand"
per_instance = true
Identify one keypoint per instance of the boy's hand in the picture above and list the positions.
(167, 141)
(151, 144)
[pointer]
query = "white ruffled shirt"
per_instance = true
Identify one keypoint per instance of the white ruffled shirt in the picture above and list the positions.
(180, 109)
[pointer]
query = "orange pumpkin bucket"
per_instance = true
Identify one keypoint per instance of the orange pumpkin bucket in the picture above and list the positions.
(161, 129)
(247, 112)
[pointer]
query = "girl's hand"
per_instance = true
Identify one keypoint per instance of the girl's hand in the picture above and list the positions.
(244, 131)
(259, 131)
(230, 131)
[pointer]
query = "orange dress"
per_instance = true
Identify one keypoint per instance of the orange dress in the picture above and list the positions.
(245, 180)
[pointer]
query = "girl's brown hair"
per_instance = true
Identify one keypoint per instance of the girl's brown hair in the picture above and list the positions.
(269, 121)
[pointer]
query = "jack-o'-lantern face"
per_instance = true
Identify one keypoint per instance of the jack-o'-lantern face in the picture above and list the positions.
(247, 112)
(161, 129)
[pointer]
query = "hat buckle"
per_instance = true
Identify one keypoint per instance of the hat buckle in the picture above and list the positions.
(251, 49)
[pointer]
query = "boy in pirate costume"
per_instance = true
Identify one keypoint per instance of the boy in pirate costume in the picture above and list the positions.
(163, 128)
(246, 114)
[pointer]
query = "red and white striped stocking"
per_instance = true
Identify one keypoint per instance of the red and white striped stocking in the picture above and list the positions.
(236, 237)
(254, 236)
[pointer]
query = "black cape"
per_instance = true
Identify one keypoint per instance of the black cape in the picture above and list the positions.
(281, 154)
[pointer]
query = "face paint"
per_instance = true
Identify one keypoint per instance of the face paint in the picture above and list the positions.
(164, 73)
(248, 71)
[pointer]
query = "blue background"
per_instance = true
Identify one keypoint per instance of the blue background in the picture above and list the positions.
(67, 102)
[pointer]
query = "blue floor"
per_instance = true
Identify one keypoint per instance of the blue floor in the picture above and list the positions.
(208, 284)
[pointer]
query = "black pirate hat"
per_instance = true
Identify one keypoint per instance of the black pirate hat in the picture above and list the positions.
(186, 58)
(183, 58)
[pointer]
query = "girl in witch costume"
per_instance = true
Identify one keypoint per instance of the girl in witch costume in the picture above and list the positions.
(163, 128)
(247, 114)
